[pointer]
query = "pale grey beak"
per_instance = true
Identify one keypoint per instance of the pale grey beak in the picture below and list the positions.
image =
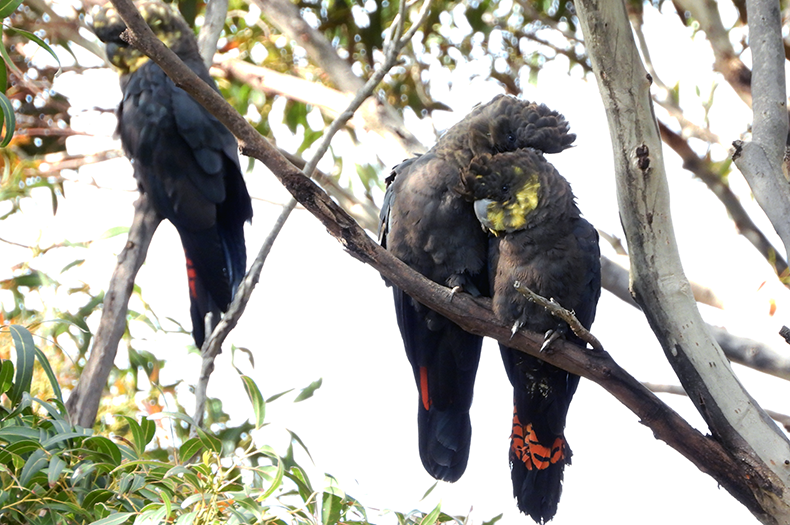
(481, 210)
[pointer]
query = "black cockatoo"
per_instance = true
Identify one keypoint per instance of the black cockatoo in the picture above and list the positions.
(540, 239)
(426, 222)
(183, 158)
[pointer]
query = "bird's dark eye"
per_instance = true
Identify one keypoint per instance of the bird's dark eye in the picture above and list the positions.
(511, 138)
(505, 188)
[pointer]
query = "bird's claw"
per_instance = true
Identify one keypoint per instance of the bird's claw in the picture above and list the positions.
(548, 338)
(515, 328)
(454, 290)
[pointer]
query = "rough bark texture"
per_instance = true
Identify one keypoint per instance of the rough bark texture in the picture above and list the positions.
(658, 282)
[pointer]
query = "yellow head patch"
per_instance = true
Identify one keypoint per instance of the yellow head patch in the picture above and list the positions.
(512, 215)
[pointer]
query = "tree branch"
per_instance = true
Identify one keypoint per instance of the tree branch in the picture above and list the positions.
(213, 23)
(726, 62)
(761, 160)
(741, 350)
(720, 189)
(659, 284)
(83, 402)
(474, 315)
(213, 345)
(384, 120)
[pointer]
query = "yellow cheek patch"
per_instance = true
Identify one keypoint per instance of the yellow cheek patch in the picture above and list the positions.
(512, 215)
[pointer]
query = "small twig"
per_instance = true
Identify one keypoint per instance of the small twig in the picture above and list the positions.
(615, 241)
(213, 345)
(556, 309)
(782, 419)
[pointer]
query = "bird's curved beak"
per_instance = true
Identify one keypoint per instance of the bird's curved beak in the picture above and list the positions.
(481, 210)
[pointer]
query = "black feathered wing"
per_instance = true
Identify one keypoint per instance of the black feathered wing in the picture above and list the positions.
(186, 161)
(424, 225)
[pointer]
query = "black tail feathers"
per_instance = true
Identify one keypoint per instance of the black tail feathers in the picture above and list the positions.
(537, 464)
(445, 436)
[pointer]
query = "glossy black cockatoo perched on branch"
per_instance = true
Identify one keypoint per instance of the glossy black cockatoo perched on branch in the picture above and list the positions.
(183, 158)
(429, 221)
(541, 240)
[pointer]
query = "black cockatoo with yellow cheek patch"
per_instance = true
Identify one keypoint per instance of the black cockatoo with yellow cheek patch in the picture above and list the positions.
(429, 225)
(183, 158)
(540, 239)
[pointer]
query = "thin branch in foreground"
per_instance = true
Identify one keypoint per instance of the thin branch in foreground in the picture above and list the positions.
(213, 345)
(556, 309)
(83, 403)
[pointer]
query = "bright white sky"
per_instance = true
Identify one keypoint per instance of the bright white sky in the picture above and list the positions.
(318, 313)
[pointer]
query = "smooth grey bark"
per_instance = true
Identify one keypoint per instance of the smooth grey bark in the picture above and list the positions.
(761, 159)
(657, 279)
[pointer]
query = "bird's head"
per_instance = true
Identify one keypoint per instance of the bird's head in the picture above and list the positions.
(166, 23)
(505, 188)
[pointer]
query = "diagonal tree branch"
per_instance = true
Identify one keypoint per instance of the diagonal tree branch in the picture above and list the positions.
(720, 189)
(83, 402)
(740, 478)
(726, 62)
(213, 345)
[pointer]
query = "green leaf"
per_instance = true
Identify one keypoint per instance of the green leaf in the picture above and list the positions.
(187, 519)
(16, 433)
(56, 466)
(25, 355)
(189, 449)
(105, 446)
(34, 464)
(9, 118)
(53, 380)
(112, 232)
(330, 509)
(8, 6)
(493, 520)
(64, 436)
(277, 396)
(308, 391)
(114, 519)
(168, 504)
(429, 491)
(83, 470)
(6, 376)
(149, 429)
(258, 404)
(3, 77)
(430, 519)
(209, 441)
(138, 436)
(97, 496)
(276, 482)
(33, 38)
(53, 412)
